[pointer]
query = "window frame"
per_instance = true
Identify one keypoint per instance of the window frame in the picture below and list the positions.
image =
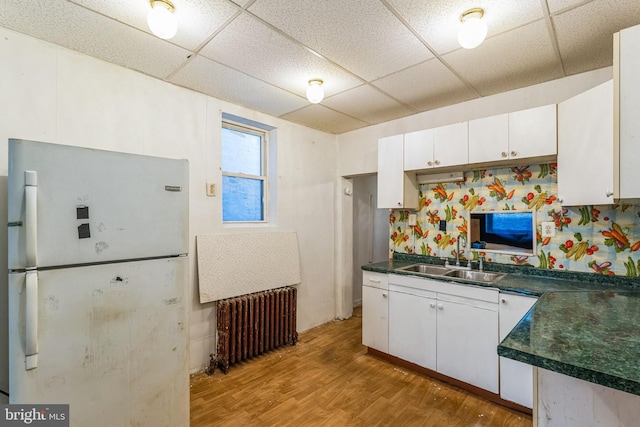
(264, 167)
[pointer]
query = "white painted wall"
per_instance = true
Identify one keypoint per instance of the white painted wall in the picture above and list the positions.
(358, 150)
(56, 95)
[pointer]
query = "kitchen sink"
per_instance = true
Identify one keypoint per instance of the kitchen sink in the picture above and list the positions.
(475, 276)
(434, 270)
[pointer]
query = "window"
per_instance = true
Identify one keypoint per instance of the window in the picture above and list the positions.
(244, 173)
(504, 231)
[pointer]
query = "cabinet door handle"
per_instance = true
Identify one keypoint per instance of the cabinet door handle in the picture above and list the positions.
(440, 307)
(432, 305)
(503, 154)
(399, 204)
(384, 295)
(504, 301)
(609, 193)
(514, 153)
(430, 163)
(437, 162)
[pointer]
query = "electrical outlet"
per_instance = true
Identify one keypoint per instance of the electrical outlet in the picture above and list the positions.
(548, 229)
(412, 220)
(211, 190)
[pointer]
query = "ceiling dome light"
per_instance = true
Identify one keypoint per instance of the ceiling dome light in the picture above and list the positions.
(315, 91)
(473, 29)
(162, 20)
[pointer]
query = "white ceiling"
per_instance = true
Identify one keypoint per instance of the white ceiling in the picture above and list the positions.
(379, 59)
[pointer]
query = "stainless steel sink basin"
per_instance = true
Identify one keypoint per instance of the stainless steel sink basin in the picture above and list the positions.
(425, 269)
(475, 276)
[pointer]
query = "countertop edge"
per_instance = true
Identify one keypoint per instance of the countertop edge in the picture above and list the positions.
(585, 374)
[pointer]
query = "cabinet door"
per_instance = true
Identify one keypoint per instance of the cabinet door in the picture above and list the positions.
(585, 147)
(418, 150)
(412, 328)
(533, 132)
(390, 171)
(396, 189)
(466, 344)
(516, 378)
(489, 139)
(627, 123)
(375, 318)
(451, 145)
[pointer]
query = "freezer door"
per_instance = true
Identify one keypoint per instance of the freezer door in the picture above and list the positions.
(112, 343)
(70, 205)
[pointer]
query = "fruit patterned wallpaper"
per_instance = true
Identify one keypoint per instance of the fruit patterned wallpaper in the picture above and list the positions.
(597, 239)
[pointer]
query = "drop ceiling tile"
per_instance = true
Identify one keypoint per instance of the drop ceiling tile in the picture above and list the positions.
(368, 104)
(85, 31)
(197, 19)
(319, 117)
(248, 45)
(510, 60)
(558, 5)
(242, 3)
(585, 34)
(437, 21)
(209, 77)
(426, 86)
(360, 35)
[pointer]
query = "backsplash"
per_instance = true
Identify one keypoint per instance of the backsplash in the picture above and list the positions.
(597, 239)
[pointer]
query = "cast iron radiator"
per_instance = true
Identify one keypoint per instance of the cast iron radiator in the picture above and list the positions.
(250, 325)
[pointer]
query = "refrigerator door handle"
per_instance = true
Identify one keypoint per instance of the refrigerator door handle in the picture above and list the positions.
(31, 218)
(31, 320)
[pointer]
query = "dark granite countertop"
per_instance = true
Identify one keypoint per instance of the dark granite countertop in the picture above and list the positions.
(593, 336)
(584, 325)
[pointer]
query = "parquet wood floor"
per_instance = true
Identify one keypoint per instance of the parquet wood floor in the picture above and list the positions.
(328, 379)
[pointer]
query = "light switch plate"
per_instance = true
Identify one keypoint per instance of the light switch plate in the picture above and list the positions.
(211, 190)
(548, 229)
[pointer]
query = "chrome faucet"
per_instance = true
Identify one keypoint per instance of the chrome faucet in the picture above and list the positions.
(458, 250)
(480, 263)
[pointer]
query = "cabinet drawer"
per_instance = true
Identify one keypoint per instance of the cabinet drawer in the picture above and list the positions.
(412, 291)
(457, 293)
(415, 283)
(375, 280)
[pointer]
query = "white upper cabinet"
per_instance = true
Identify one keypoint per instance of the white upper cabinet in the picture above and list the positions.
(533, 132)
(520, 135)
(396, 189)
(438, 147)
(451, 145)
(627, 110)
(489, 139)
(585, 148)
(418, 150)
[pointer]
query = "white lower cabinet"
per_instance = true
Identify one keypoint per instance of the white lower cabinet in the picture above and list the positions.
(445, 327)
(375, 311)
(467, 340)
(412, 325)
(516, 378)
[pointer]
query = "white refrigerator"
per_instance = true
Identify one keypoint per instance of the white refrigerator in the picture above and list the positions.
(98, 272)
